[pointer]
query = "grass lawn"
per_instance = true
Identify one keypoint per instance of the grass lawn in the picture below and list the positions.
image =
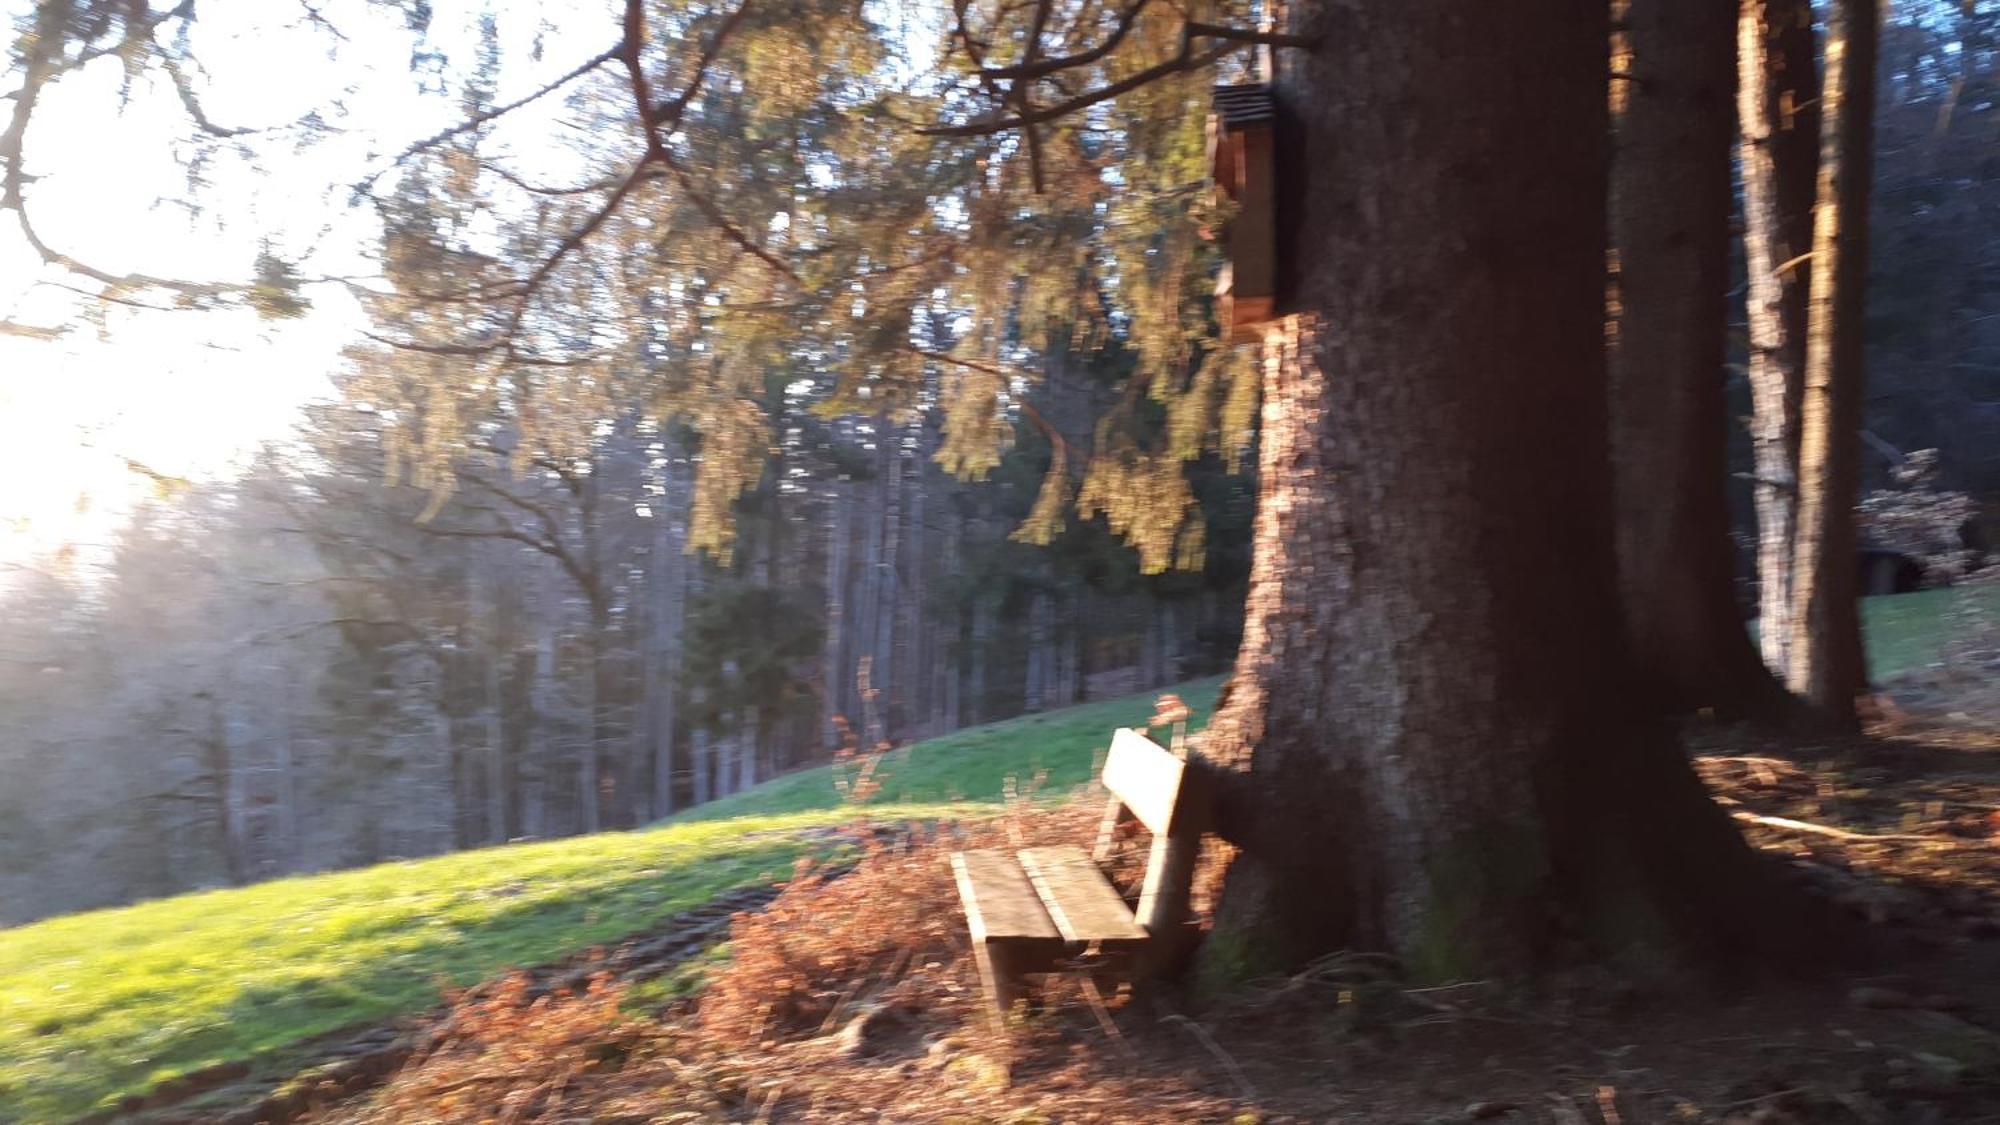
(1061, 748)
(1905, 632)
(99, 1005)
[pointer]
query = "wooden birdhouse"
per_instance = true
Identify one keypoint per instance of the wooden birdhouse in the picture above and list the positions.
(1242, 147)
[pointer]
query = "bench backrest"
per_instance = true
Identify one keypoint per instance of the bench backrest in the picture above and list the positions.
(1147, 777)
(1153, 785)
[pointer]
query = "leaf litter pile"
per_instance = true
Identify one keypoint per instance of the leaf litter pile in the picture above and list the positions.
(852, 996)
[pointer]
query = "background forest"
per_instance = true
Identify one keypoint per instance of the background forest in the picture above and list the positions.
(330, 660)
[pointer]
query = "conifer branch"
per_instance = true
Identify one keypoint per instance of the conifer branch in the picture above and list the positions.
(661, 119)
(1028, 410)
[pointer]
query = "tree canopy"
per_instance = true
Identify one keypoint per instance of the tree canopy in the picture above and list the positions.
(901, 206)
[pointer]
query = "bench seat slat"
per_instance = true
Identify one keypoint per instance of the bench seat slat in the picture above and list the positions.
(1000, 902)
(1080, 900)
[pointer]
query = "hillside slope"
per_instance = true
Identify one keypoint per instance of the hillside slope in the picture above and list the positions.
(104, 1004)
(100, 1005)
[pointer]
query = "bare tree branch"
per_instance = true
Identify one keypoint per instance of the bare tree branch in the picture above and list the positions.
(1186, 59)
(43, 64)
(1033, 68)
(483, 117)
(184, 89)
(29, 331)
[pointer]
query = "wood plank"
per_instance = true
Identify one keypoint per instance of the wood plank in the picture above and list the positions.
(1080, 900)
(1000, 902)
(1146, 776)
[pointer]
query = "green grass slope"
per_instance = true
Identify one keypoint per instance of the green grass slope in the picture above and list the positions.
(1907, 632)
(1050, 754)
(99, 1005)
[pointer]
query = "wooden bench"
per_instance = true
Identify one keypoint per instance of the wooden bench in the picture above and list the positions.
(1034, 909)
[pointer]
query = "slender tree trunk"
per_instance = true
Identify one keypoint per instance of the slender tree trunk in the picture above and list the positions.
(663, 690)
(589, 781)
(867, 604)
(887, 603)
(1827, 664)
(912, 632)
(951, 637)
(461, 778)
(833, 661)
(535, 746)
(290, 847)
(974, 706)
(699, 758)
(749, 745)
(1671, 203)
(226, 779)
(436, 820)
(499, 780)
(1778, 117)
(1428, 743)
(1040, 673)
(1069, 653)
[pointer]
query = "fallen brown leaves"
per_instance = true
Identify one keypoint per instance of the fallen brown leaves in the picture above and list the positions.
(851, 998)
(507, 1058)
(1898, 831)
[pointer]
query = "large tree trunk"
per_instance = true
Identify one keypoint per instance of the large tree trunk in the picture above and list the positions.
(1826, 662)
(1428, 743)
(1778, 116)
(1671, 203)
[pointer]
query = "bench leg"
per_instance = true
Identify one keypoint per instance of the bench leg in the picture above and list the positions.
(1000, 973)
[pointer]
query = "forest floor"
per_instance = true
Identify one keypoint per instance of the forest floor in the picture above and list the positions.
(851, 997)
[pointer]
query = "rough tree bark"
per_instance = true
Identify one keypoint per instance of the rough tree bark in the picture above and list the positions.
(1826, 660)
(1428, 745)
(1778, 117)
(1671, 203)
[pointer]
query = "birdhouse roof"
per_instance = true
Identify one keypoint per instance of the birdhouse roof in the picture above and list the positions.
(1244, 105)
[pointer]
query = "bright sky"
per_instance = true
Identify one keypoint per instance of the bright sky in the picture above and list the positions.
(193, 394)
